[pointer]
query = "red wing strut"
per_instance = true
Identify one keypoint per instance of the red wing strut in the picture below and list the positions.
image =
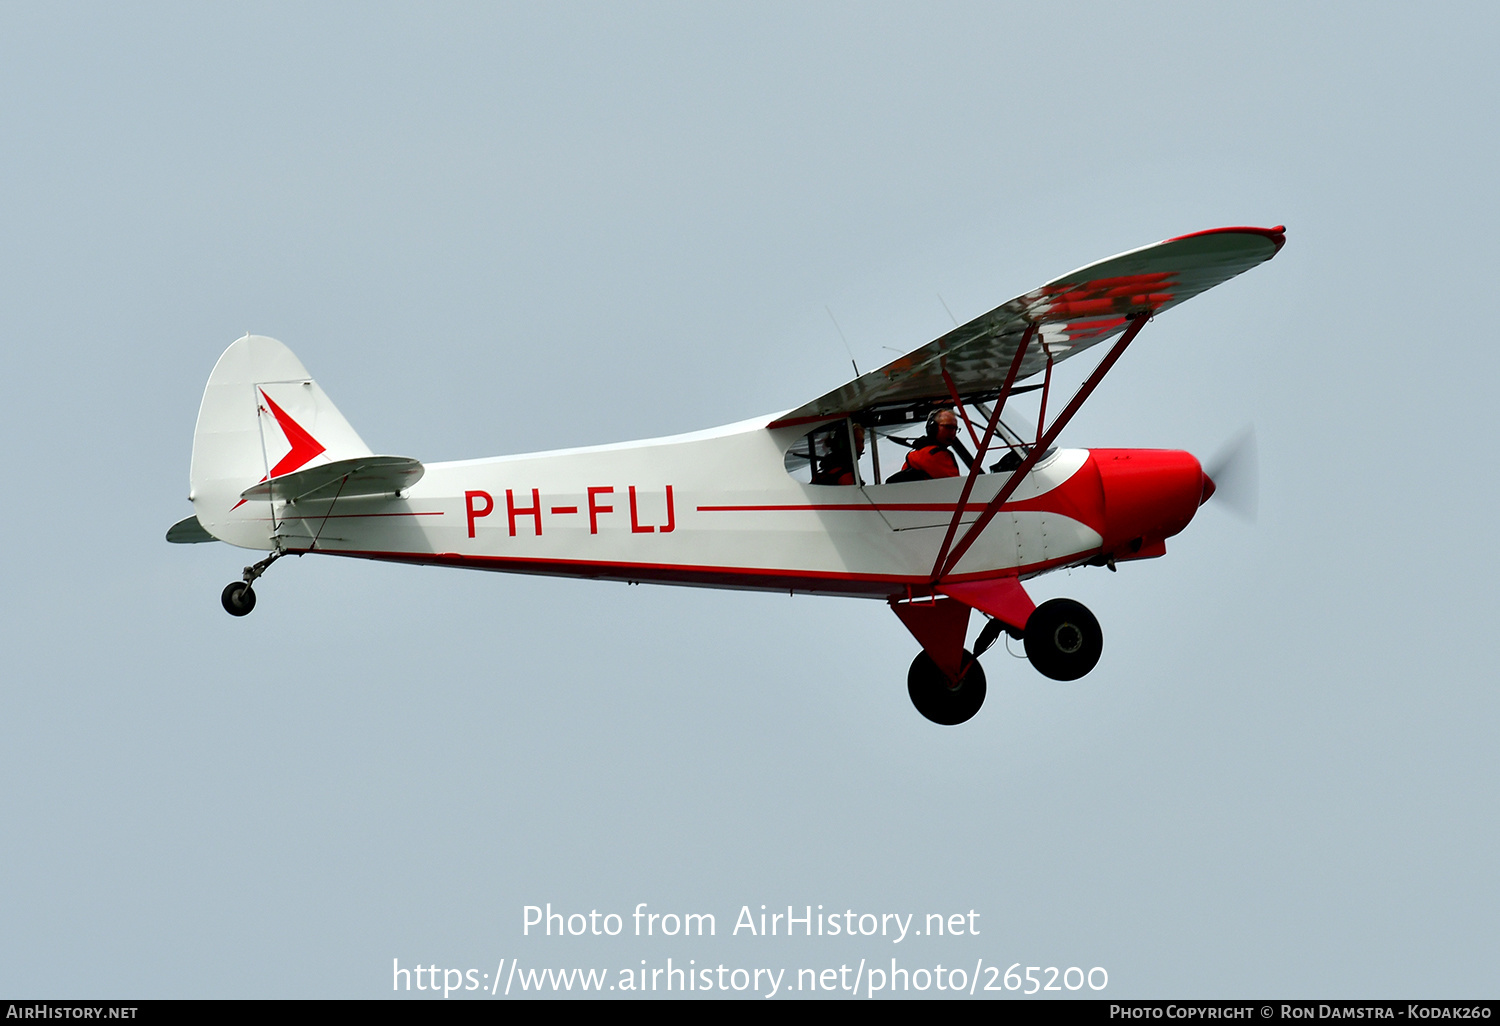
(1138, 321)
(984, 446)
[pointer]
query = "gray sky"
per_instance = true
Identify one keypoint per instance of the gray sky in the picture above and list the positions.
(496, 229)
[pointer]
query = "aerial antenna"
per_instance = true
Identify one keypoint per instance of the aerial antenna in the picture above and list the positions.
(945, 307)
(836, 327)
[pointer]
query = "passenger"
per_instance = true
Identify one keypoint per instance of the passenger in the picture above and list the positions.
(930, 458)
(837, 468)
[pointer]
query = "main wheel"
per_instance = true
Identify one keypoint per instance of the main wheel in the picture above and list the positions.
(1063, 640)
(238, 598)
(938, 698)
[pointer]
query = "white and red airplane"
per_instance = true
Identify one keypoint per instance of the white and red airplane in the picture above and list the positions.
(276, 467)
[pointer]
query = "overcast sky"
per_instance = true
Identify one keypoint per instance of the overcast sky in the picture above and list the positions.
(492, 229)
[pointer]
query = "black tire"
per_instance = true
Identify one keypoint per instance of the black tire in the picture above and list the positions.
(1063, 640)
(238, 598)
(939, 699)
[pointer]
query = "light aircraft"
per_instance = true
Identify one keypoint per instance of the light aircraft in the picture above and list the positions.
(774, 503)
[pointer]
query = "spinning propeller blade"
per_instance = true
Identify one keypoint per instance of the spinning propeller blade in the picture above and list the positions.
(1234, 472)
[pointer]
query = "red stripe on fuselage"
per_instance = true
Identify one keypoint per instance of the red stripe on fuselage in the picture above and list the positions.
(1079, 498)
(345, 516)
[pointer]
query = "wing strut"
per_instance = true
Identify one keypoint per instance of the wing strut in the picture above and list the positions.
(989, 435)
(329, 513)
(959, 405)
(1137, 322)
(1041, 415)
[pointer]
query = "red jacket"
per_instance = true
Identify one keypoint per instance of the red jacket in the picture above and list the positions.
(933, 461)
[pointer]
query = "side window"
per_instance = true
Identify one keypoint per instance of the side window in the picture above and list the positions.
(895, 448)
(823, 455)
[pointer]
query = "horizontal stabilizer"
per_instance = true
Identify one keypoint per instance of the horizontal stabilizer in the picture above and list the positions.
(188, 532)
(346, 479)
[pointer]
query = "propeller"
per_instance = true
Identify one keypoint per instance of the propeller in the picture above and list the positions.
(1234, 477)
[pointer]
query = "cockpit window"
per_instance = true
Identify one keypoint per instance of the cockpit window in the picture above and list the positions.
(823, 455)
(881, 442)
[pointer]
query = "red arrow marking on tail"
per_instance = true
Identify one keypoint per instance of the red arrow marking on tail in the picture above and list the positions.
(304, 446)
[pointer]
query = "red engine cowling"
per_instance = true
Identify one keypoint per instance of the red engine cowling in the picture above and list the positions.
(1149, 495)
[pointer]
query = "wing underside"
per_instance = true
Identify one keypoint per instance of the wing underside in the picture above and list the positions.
(1069, 314)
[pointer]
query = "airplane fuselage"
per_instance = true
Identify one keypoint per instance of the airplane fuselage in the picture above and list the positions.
(718, 508)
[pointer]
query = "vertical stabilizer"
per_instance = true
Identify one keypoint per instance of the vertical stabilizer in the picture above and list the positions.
(262, 417)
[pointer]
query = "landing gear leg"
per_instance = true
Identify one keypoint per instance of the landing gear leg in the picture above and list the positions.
(940, 699)
(1063, 640)
(238, 597)
(990, 632)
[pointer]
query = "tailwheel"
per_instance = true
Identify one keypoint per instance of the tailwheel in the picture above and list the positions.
(238, 598)
(1063, 640)
(940, 699)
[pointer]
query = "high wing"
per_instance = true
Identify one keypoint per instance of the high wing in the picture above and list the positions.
(1070, 314)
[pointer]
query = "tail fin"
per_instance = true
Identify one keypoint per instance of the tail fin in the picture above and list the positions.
(262, 417)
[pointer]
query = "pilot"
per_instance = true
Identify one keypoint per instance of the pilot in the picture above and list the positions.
(837, 468)
(931, 457)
